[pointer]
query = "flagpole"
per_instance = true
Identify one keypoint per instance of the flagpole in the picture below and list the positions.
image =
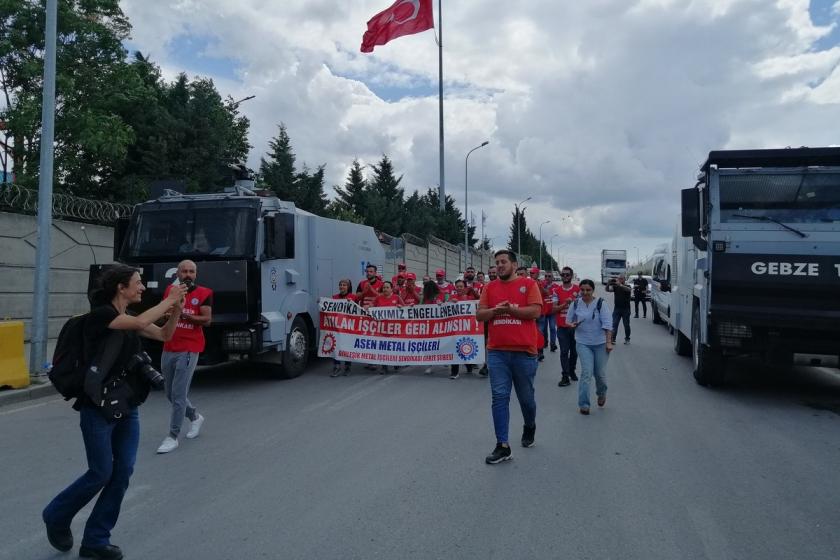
(442, 189)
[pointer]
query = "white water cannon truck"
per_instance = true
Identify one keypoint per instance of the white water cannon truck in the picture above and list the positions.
(267, 262)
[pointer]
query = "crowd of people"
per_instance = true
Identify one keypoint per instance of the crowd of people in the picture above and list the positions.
(524, 313)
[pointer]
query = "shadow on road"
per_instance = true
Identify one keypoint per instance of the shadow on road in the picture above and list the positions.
(815, 387)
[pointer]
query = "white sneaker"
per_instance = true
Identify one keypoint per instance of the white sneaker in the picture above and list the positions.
(169, 444)
(195, 427)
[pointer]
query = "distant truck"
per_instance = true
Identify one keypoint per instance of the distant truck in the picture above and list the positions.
(613, 264)
(266, 261)
(757, 265)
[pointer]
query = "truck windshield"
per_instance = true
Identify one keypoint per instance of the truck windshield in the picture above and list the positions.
(614, 263)
(183, 232)
(791, 198)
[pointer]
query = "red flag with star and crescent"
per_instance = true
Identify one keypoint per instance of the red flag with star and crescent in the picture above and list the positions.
(404, 17)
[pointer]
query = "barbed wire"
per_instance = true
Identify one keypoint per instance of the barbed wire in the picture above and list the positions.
(14, 198)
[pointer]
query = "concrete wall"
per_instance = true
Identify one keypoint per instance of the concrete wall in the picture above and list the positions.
(70, 260)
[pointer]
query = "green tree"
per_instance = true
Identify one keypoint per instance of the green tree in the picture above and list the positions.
(310, 191)
(352, 196)
(91, 139)
(184, 131)
(384, 198)
(278, 171)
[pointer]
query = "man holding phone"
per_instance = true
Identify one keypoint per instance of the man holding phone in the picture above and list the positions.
(180, 354)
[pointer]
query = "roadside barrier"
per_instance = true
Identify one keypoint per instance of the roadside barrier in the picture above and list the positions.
(12, 363)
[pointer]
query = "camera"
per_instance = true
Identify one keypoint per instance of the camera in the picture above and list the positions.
(141, 364)
(613, 281)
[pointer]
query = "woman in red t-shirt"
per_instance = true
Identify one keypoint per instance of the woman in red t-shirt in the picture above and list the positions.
(388, 298)
(345, 291)
(462, 293)
(432, 293)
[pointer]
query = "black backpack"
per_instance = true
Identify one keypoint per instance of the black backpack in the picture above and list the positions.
(68, 367)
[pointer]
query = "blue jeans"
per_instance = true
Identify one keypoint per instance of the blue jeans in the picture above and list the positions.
(178, 369)
(511, 369)
(568, 352)
(548, 328)
(593, 362)
(618, 316)
(111, 449)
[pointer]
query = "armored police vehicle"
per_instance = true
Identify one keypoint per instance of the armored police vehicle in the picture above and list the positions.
(758, 263)
(266, 261)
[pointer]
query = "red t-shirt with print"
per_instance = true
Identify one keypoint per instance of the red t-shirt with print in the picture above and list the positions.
(563, 296)
(368, 291)
(387, 301)
(411, 296)
(506, 332)
(351, 297)
(189, 337)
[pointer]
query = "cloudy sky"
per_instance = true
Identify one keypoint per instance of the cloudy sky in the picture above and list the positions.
(599, 110)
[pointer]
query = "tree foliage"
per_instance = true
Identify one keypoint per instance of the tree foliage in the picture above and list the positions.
(118, 125)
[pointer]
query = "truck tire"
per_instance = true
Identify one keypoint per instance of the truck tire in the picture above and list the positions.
(657, 319)
(298, 349)
(708, 362)
(682, 346)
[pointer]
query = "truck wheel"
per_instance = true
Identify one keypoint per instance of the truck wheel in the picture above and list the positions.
(682, 346)
(298, 348)
(708, 362)
(657, 319)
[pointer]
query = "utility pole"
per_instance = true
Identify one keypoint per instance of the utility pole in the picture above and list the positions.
(40, 303)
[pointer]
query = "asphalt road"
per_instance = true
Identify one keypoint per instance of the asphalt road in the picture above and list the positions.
(392, 467)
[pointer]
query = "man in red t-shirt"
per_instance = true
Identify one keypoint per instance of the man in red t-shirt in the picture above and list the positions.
(410, 293)
(401, 273)
(511, 305)
(370, 287)
(567, 293)
(180, 354)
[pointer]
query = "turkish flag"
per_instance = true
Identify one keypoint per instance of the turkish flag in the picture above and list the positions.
(404, 17)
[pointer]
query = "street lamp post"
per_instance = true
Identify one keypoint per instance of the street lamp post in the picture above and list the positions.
(551, 247)
(466, 203)
(519, 233)
(541, 225)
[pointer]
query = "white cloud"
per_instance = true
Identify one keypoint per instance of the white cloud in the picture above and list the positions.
(600, 110)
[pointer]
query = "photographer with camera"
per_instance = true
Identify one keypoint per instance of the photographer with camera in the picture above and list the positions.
(180, 354)
(110, 426)
(622, 306)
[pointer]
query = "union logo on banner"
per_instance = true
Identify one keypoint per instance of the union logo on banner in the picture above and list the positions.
(467, 348)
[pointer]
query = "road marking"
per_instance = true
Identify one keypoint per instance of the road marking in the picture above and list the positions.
(7, 412)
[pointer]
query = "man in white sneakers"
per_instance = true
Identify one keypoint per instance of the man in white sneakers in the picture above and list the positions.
(180, 355)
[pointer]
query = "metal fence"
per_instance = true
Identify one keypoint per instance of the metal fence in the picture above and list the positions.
(14, 198)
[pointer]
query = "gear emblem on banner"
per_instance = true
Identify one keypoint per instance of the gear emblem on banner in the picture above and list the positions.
(467, 348)
(328, 344)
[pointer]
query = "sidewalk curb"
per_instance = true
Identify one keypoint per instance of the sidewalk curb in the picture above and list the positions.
(34, 391)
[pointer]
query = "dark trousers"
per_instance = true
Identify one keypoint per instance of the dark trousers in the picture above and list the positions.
(618, 316)
(111, 449)
(568, 352)
(641, 300)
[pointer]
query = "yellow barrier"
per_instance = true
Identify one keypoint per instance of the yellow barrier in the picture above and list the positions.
(12, 364)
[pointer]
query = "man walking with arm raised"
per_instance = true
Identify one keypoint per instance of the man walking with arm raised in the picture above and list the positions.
(511, 305)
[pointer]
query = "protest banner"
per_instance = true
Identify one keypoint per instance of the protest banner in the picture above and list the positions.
(401, 336)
